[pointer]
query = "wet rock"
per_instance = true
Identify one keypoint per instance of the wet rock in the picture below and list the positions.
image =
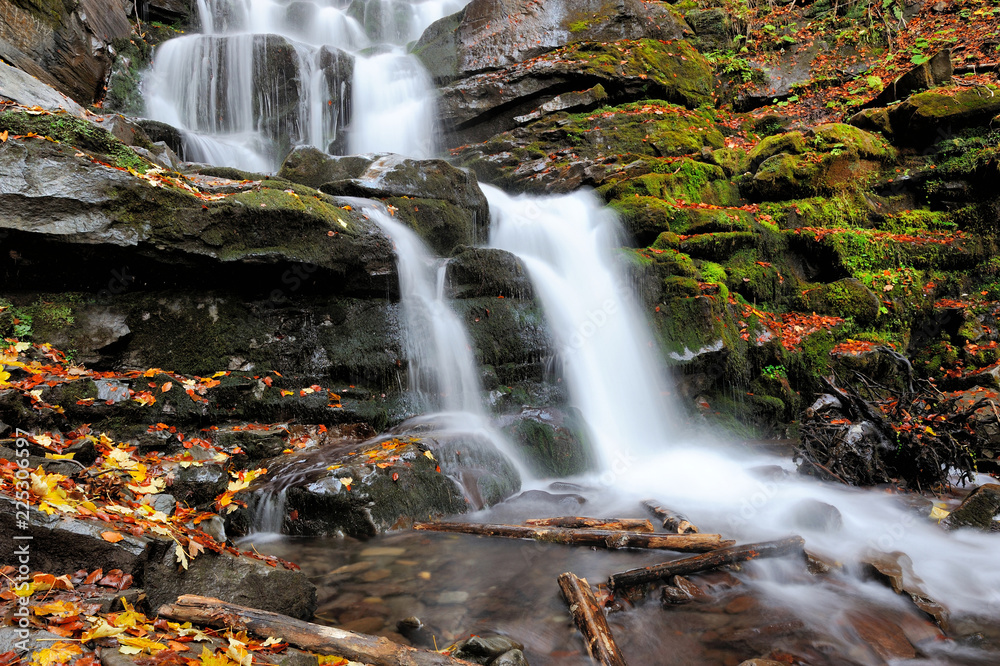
(485, 649)
(12, 641)
(896, 570)
(792, 165)
(198, 484)
(489, 34)
(444, 205)
(66, 213)
(884, 637)
(682, 591)
(979, 509)
(487, 272)
(928, 117)
(572, 101)
(530, 498)
(552, 439)
(62, 543)
(510, 658)
(713, 28)
(810, 514)
(239, 580)
(483, 105)
(761, 662)
(433, 472)
(66, 46)
(924, 76)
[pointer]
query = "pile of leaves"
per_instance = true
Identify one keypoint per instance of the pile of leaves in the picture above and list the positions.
(69, 606)
(915, 439)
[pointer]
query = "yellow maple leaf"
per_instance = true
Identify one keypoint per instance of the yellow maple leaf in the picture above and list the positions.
(100, 629)
(212, 659)
(61, 652)
(136, 644)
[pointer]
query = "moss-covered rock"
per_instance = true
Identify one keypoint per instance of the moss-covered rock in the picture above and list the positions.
(832, 158)
(626, 70)
(444, 205)
(552, 440)
(928, 117)
(488, 35)
(845, 298)
(63, 202)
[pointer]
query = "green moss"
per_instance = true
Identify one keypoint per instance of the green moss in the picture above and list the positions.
(712, 272)
(718, 247)
(689, 182)
(840, 210)
(75, 132)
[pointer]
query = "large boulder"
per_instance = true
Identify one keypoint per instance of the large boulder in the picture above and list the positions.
(24, 89)
(62, 205)
(941, 113)
(481, 105)
(828, 158)
(444, 205)
(561, 152)
(65, 44)
(419, 470)
(491, 34)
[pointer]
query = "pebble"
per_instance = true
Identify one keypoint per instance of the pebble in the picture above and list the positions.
(375, 574)
(453, 597)
(352, 568)
(382, 551)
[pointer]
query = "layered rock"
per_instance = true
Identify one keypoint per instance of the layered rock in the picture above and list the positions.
(493, 34)
(68, 46)
(444, 205)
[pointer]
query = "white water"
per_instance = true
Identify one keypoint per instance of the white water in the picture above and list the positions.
(567, 243)
(614, 378)
(267, 75)
(442, 366)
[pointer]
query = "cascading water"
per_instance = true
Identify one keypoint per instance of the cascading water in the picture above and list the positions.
(566, 244)
(442, 367)
(266, 75)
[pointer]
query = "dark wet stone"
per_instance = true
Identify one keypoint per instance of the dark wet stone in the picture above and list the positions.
(978, 510)
(483, 650)
(810, 514)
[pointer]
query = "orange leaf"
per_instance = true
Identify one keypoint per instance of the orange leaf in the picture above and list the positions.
(113, 537)
(3, 136)
(166, 387)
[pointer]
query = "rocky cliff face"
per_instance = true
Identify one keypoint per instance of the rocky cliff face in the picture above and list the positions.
(67, 45)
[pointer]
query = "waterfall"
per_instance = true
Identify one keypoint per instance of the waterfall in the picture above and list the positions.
(567, 244)
(442, 366)
(266, 75)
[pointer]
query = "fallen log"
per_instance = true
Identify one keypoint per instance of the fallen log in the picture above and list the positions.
(688, 543)
(672, 521)
(589, 617)
(717, 558)
(577, 522)
(373, 650)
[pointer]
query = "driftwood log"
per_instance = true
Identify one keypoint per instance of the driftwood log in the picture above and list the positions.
(717, 558)
(373, 650)
(578, 522)
(688, 543)
(672, 521)
(589, 617)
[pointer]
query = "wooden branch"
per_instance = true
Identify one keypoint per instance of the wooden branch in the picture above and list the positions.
(718, 558)
(577, 522)
(672, 521)
(589, 617)
(373, 650)
(688, 543)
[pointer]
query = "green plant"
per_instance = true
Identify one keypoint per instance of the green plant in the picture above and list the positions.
(774, 372)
